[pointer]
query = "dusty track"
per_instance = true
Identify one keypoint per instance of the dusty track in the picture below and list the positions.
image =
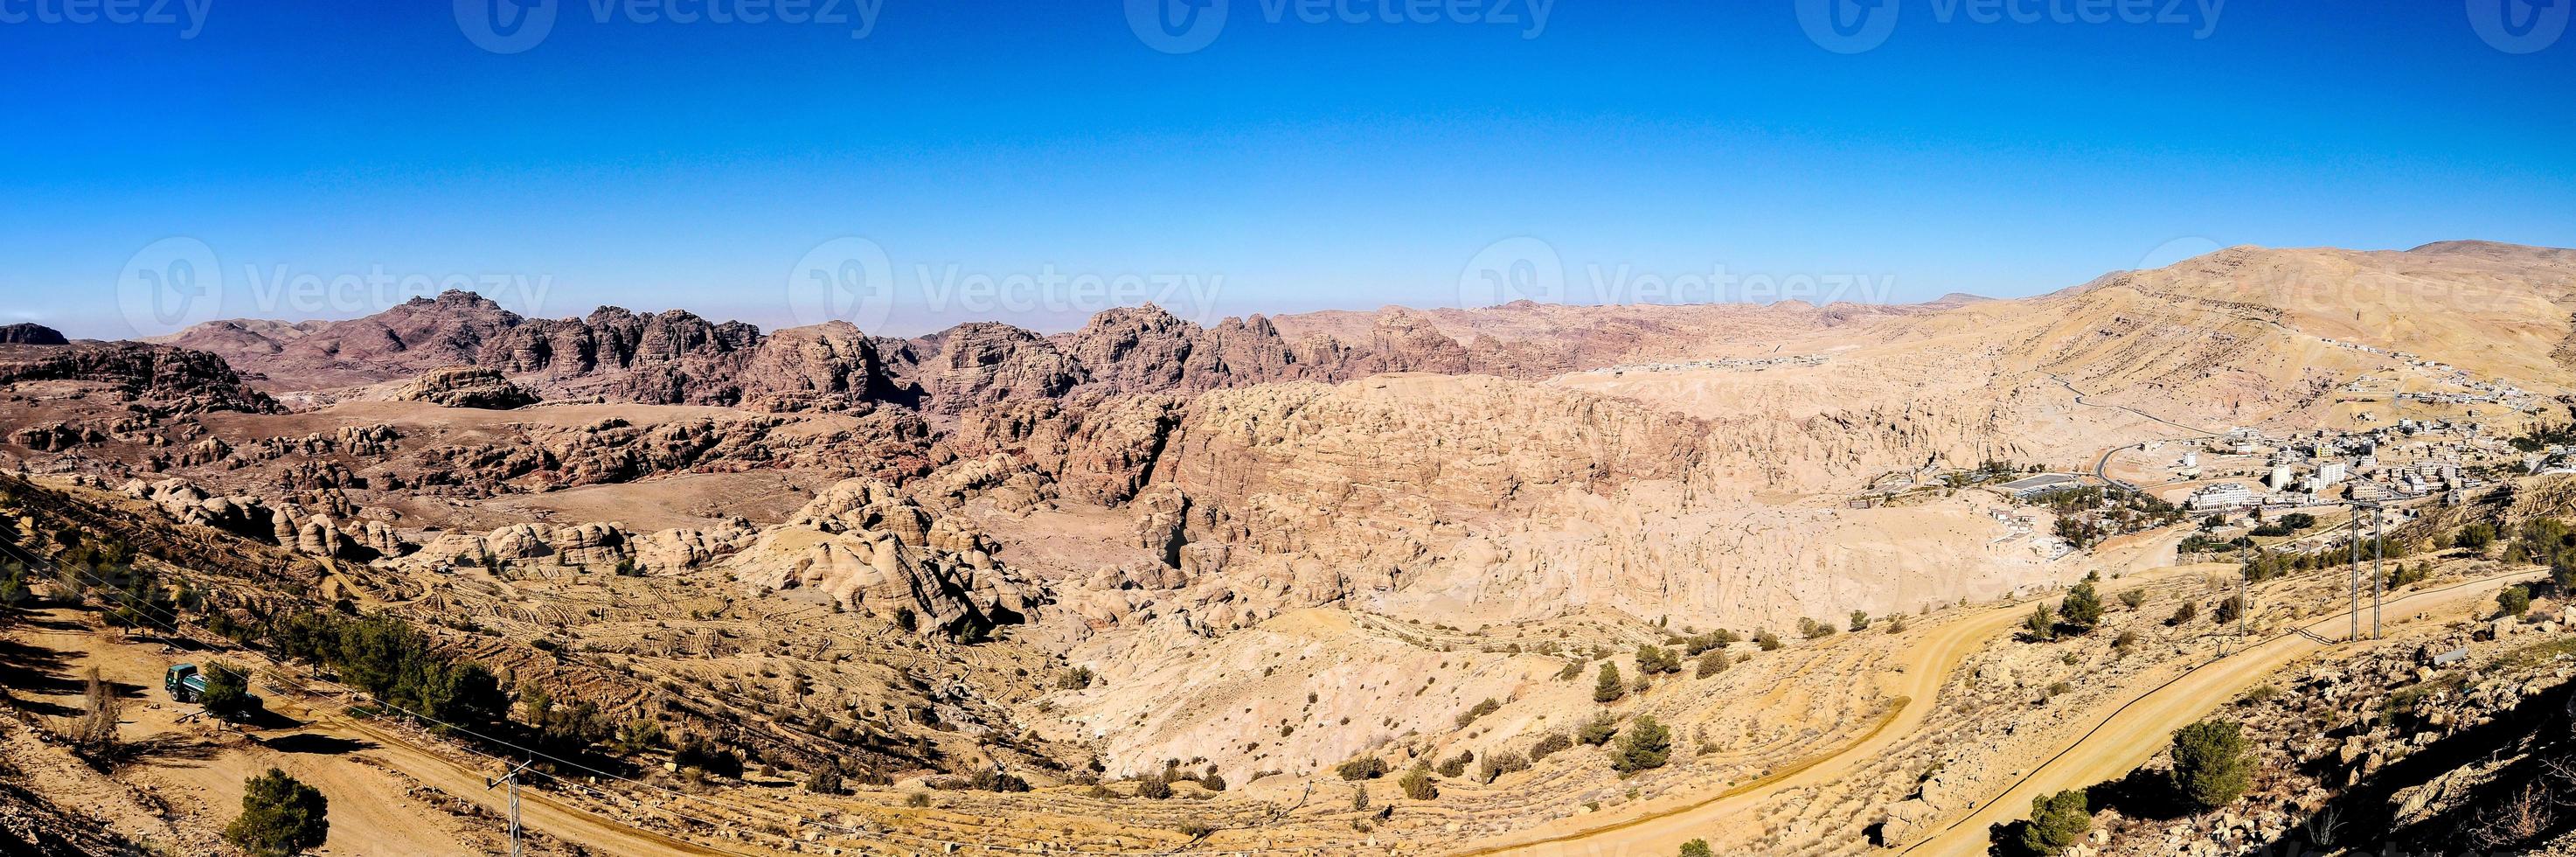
(139, 664)
(1921, 673)
(2134, 731)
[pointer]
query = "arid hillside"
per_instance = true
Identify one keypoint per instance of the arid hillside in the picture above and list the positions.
(1046, 576)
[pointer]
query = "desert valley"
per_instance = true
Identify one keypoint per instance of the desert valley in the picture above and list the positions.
(1529, 579)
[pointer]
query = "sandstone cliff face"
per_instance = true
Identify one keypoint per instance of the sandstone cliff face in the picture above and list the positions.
(1272, 498)
(466, 387)
(595, 546)
(828, 367)
(864, 546)
(280, 523)
(984, 363)
(163, 381)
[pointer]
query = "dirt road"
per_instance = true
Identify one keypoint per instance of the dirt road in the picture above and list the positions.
(1664, 826)
(2132, 732)
(340, 755)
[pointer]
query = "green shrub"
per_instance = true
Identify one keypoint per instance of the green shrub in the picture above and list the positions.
(1362, 768)
(1696, 848)
(1456, 766)
(1598, 730)
(1495, 765)
(826, 781)
(1480, 709)
(1548, 744)
(1710, 663)
(1654, 660)
(2040, 625)
(1417, 783)
(2056, 821)
(2082, 609)
(1645, 747)
(2229, 610)
(2514, 601)
(2211, 767)
(280, 817)
(228, 695)
(2475, 536)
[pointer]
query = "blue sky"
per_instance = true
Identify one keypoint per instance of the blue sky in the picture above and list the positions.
(1286, 166)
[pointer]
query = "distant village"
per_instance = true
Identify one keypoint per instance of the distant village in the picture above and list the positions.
(2409, 460)
(1738, 363)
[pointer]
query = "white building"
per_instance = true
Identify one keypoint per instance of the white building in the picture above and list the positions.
(2222, 496)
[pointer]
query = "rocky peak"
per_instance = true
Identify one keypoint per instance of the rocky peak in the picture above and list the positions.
(30, 334)
(979, 363)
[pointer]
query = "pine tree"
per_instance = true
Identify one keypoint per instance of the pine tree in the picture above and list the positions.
(1609, 688)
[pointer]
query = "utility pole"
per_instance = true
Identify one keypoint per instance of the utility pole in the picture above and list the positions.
(512, 780)
(2378, 552)
(2356, 575)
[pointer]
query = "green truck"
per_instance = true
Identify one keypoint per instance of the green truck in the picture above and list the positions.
(184, 682)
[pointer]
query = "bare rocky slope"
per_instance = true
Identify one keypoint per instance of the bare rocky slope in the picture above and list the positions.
(1148, 541)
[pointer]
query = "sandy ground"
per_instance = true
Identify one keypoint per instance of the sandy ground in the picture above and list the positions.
(201, 769)
(2131, 733)
(1660, 827)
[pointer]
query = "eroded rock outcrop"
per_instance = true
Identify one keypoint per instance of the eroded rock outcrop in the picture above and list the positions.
(161, 380)
(866, 547)
(466, 387)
